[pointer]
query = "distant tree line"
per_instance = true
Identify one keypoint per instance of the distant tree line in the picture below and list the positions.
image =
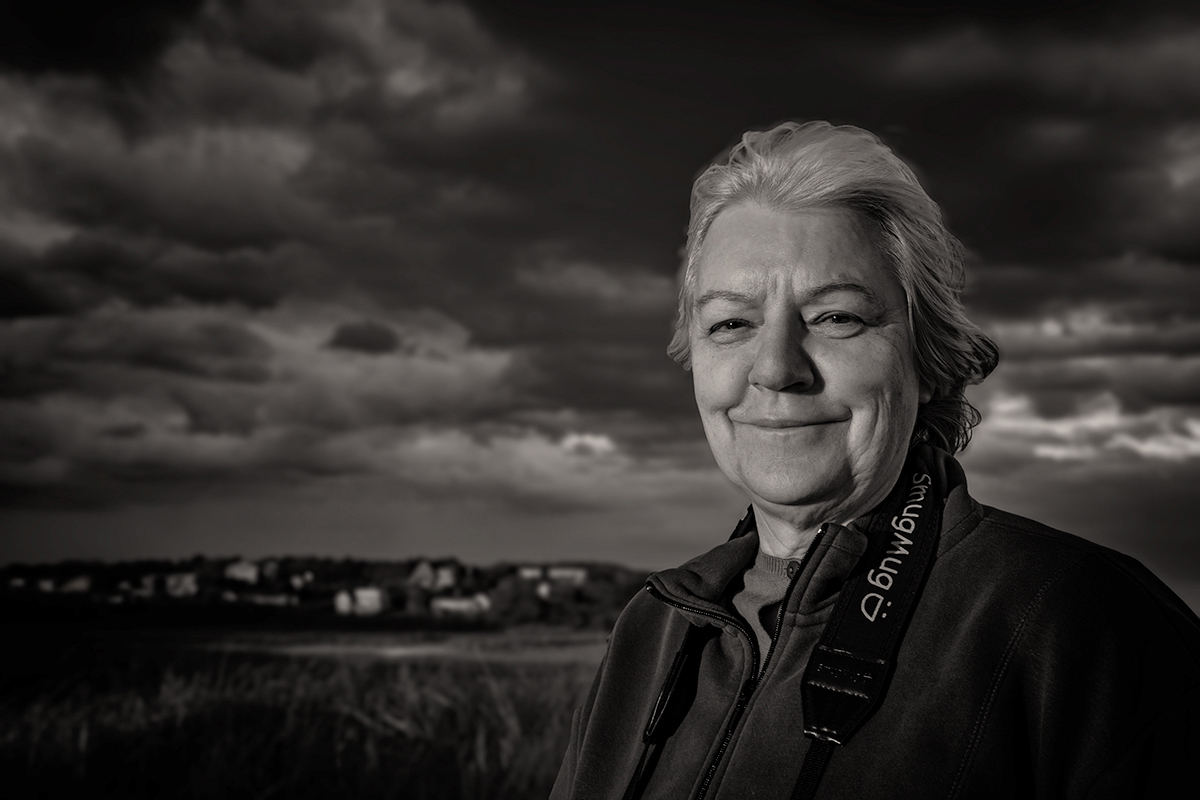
(431, 592)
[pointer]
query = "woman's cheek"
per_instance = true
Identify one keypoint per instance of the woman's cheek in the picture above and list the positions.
(719, 385)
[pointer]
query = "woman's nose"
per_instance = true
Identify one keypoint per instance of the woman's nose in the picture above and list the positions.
(781, 361)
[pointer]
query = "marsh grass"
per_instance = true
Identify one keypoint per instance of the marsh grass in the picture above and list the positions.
(130, 722)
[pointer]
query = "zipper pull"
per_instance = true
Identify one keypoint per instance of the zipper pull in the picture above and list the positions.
(669, 685)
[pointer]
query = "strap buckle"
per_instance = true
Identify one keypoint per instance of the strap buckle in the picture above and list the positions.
(839, 692)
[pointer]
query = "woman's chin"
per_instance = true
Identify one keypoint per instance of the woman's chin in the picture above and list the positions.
(795, 493)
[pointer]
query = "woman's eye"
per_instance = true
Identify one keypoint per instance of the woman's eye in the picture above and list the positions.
(838, 324)
(728, 325)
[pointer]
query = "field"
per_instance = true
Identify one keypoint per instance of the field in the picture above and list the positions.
(260, 715)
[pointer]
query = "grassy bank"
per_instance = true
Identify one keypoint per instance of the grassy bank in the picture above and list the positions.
(89, 719)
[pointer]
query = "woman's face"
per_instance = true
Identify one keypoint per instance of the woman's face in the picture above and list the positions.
(802, 360)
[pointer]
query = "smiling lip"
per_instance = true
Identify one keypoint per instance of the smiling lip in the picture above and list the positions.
(774, 422)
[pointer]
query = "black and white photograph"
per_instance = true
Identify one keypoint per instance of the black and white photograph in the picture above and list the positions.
(471, 399)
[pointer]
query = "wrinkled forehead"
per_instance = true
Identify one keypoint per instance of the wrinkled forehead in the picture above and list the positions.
(752, 249)
(868, 229)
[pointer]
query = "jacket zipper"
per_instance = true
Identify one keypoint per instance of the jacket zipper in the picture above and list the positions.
(804, 559)
(752, 682)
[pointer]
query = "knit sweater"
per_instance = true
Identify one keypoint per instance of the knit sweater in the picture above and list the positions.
(763, 587)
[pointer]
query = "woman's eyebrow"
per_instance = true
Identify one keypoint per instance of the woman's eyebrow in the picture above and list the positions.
(723, 294)
(843, 286)
(809, 296)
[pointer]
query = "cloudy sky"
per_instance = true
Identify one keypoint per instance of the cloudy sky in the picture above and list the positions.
(395, 277)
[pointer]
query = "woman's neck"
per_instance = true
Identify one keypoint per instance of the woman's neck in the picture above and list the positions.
(781, 538)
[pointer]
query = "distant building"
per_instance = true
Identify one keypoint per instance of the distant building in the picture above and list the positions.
(269, 569)
(568, 576)
(80, 584)
(445, 577)
(474, 606)
(243, 571)
(363, 601)
(182, 584)
(301, 579)
(16, 583)
(370, 600)
(45, 584)
(529, 573)
(422, 576)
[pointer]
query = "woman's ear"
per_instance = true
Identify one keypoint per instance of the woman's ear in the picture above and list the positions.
(924, 394)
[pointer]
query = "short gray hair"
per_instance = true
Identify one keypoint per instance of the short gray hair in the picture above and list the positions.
(796, 166)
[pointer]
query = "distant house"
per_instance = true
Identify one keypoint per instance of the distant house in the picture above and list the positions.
(469, 607)
(182, 584)
(363, 601)
(243, 571)
(560, 583)
(301, 579)
(269, 569)
(80, 584)
(45, 584)
(16, 583)
(567, 576)
(370, 600)
(422, 576)
(529, 573)
(445, 577)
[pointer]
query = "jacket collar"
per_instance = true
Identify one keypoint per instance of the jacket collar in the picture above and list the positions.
(703, 583)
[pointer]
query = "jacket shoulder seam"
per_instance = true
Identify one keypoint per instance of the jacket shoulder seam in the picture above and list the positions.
(972, 520)
(1119, 563)
(998, 674)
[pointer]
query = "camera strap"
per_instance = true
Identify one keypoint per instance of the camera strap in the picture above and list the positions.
(848, 672)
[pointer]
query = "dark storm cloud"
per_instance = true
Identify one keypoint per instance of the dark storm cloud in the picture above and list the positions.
(365, 337)
(155, 275)
(281, 33)
(26, 291)
(437, 241)
(1131, 289)
(1048, 136)
(103, 186)
(214, 349)
(598, 376)
(164, 396)
(1139, 382)
(112, 38)
(88, 270)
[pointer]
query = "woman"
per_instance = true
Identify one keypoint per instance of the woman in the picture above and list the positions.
(869, 630)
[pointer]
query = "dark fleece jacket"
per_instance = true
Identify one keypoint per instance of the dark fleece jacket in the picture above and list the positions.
(1036, 665)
